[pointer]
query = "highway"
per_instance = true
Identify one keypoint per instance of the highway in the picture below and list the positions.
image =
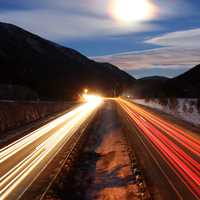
(170, 154)
(175, 151)
(22, 161)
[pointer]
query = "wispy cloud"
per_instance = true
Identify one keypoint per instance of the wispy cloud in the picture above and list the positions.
(187, 38)
(59, 20)
(61, 25)
(64, 19)
(79, 19)
(175, 8)
(179, 49)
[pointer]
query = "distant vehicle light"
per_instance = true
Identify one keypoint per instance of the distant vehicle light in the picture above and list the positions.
(92, 98)
(86, 91)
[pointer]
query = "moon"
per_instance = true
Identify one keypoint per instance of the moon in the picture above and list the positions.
(132, 10)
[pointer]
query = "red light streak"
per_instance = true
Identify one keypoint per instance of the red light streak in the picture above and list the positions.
(168, 141)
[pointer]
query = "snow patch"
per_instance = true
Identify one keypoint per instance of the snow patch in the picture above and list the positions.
(186, 109)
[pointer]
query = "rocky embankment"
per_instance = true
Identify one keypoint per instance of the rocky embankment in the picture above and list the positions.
(17, 114)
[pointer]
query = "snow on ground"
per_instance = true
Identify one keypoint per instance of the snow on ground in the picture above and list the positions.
(112, 177)
(103, 170)
(185, 109)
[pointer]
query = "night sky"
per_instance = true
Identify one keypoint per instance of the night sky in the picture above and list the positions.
(161, 39)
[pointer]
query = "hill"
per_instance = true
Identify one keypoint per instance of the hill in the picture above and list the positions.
(52, 71)
(186, 85)
(149, 87)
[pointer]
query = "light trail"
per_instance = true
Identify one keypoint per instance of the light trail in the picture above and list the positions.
(22, 161)
(180, 150)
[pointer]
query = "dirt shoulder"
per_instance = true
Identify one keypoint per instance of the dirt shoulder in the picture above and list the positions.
(103, 171)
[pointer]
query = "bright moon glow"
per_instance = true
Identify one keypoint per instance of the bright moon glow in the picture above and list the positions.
(132, 10)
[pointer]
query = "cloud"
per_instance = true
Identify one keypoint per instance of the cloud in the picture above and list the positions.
(66, 19)
(177, 8)
(61, 20)
(181, 50)
(160, 57)
(186, 38)
(57, 25)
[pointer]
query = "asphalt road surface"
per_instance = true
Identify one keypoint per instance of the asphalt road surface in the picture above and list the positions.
(24, 160)
(174, 151)
(170, 155)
